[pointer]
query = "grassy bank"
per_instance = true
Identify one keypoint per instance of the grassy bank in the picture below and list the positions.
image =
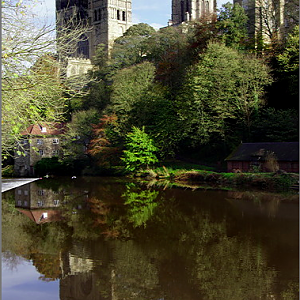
(279, 182)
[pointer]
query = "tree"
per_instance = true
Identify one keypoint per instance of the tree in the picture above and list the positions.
(167, 49)
(32, 90)
(232, 22)
(130, 85)
(80, 133)
(130, 48)
(285, 65)
(223, 89)
(275, 125)
(289, 63)
(104, 145)
(140, 150)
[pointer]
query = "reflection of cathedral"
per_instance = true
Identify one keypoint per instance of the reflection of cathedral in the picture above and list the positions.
(119, 270)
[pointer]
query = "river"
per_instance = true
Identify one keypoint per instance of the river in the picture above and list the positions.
(106, 238)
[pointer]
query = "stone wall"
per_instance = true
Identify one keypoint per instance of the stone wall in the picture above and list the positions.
(78, 66)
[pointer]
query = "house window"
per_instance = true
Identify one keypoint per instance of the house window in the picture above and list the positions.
(44, 129)
(55, 141)
(19, 202)
(118, 14)
(41, 152)
(55, 152)
(40, 203)
(26, 193)
(25, 203)
(19, 192)
(56, 202)
(24, 142)
(39, 141)
(124, 16)
(40, 192)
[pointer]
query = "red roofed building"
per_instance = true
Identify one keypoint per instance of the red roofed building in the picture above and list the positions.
(39, 141)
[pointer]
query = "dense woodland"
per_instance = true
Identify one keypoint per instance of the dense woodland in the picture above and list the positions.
(193, 92)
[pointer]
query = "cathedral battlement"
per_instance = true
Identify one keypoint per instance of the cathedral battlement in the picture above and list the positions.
(77, 66)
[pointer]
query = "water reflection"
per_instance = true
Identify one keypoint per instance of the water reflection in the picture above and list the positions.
(106, 239)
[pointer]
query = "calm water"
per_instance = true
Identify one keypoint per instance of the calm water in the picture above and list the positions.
(101, 238)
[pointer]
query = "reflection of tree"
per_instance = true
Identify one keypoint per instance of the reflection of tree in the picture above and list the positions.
(14, 239)
(232, 269)
(48, 265)
(218, 266)
(140, 204)
(133, 274)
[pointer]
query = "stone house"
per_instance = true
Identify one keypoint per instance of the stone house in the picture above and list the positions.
(39, 141)
(247, 156)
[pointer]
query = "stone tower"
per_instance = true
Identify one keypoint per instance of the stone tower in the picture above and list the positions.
(268, 19)
(109, 19)
(189, 10)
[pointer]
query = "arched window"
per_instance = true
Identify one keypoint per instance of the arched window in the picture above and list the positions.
(123, 15)
(118, 15)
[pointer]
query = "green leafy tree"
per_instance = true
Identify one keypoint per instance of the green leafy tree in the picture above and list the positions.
(223, 89)
(231, 23)
(289, 58)
(140, 150)
(129, 88)
(289, 63)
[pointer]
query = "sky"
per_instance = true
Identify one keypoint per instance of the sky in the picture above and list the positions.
(153, 12)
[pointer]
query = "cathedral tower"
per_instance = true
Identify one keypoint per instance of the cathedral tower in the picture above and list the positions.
(109, 19)
(190, 10)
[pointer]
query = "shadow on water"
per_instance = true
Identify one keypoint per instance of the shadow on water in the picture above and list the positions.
(105, 238)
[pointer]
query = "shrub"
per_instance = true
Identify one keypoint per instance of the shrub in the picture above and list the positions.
(140, 150)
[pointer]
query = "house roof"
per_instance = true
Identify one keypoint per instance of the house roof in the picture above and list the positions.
(45, 129)
(284, 151)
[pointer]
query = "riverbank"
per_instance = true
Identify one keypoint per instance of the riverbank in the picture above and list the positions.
(278, 181)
